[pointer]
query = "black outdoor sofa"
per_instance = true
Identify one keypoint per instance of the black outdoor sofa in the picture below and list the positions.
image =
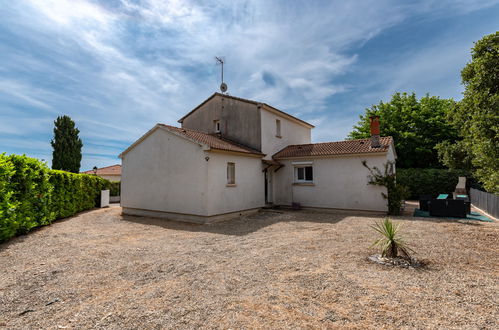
(455, 208)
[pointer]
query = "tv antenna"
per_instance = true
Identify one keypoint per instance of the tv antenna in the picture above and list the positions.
(221, 61)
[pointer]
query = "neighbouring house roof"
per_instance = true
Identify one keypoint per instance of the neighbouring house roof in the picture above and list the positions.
(108, 170)
(265, 105)
(349, 147)
(212, 141)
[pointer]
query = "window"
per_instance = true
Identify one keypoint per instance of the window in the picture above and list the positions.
(231, 173)
(304, 174)
(277, 128)
(217, 126)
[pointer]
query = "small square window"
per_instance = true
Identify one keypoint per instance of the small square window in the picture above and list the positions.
(304, 174)
(217, 126)
(231, 173)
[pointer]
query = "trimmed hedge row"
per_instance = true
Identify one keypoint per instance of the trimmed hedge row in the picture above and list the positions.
(115, 189)
(428, 181)
(32, 195)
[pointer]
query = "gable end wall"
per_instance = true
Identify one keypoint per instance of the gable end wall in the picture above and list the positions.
(240, 121)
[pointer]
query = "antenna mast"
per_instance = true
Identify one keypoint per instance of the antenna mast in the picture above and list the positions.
(221, 61)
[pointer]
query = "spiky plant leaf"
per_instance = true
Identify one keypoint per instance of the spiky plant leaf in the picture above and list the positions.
(390, 242)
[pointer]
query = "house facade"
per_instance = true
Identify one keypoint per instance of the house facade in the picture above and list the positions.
(232, 156)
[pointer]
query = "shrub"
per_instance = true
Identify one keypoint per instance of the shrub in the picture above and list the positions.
(428, 181)
(8, 224)
(396, 192)
(32, 195)
(115, 188)
(390, 243)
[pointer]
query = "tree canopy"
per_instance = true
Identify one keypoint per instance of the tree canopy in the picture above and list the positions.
(417, 126)
(477, 116)
(67, 145)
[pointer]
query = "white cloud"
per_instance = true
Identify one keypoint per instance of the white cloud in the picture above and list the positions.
(119, 67)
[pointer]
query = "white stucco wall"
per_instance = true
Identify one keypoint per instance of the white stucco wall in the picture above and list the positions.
(248, 192)
(112, 178)
(291, 133)
(339, 182)
(165, 173)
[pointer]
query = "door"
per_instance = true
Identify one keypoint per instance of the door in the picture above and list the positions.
(268, 187)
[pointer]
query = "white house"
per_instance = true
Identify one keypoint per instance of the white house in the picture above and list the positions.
(111, 173)
(233, 156)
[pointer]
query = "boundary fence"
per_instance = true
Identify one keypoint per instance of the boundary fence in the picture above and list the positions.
(485, 201)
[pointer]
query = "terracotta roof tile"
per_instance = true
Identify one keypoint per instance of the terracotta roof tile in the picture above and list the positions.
(108, 170)
(212, 141)
(333, 148)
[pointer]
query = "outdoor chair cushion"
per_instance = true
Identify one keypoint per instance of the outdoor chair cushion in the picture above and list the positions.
(443, 196)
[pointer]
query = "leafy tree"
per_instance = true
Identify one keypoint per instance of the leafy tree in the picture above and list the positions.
(67, 145)
(477, 116)
(417, 126)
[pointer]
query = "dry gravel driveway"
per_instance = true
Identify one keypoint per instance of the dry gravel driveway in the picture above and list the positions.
(270, 270)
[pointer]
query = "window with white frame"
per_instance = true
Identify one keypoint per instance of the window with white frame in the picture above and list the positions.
(217, 126)
(304, 174)
(231, 173)
(277, 128)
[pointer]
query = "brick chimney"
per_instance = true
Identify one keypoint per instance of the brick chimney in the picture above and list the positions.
(375, 132)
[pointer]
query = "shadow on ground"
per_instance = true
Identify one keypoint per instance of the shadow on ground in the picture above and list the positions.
(244, 225)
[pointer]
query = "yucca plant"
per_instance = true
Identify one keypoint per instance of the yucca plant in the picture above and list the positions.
(391, 242)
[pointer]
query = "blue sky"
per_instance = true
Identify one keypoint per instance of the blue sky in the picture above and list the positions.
(117, 67)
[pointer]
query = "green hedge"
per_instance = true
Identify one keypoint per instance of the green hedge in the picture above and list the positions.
(115, 188)
(32, 195)
(428, 181)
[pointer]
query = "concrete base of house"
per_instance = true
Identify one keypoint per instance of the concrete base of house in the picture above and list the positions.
(191, 218)
(336, 210)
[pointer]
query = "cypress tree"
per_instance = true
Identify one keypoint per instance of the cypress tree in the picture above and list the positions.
(67, 145)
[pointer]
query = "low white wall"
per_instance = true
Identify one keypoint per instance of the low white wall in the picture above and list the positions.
(165, 173)
(249, 190)
(340, 182)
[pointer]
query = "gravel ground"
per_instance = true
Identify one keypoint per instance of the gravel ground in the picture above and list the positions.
(270, 270)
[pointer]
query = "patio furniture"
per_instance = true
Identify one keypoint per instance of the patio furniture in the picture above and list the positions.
(467, 202)
(448, 208)
(423, 202)
(443, 196)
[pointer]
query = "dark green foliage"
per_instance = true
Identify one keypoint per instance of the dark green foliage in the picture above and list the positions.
(477, 117)
(428, 181)
(32, 195)
(417, 126)
(67, 145)
(396, 192)
(455, 155)
(115, 188)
